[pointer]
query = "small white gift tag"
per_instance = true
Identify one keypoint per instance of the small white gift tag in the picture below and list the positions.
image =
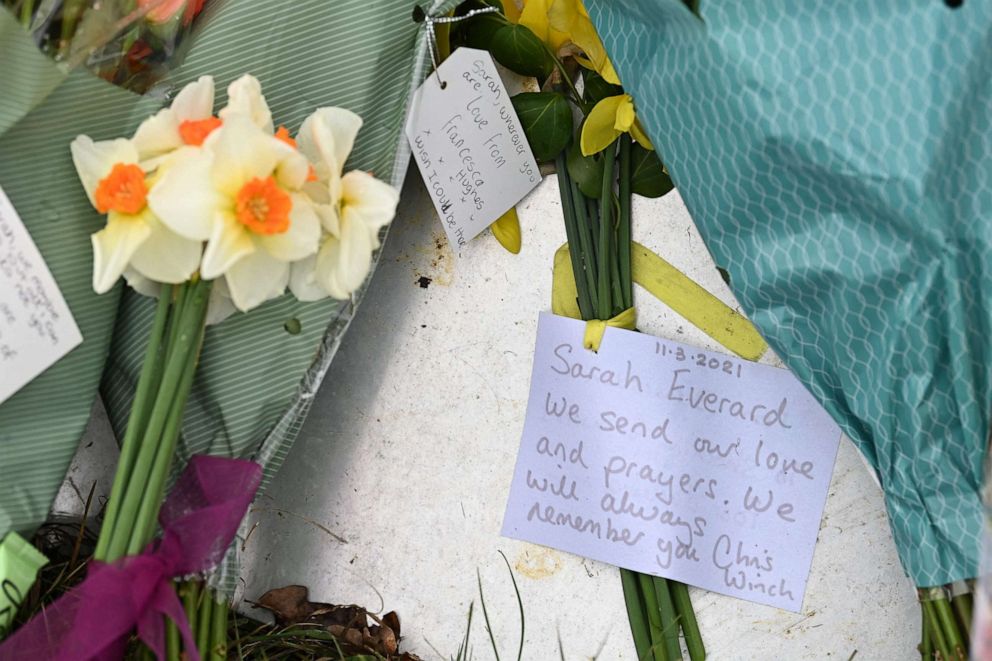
(469, 145)
(36, 327)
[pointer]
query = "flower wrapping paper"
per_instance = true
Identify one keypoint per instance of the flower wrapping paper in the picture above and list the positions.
(837, 158)
(257, 373)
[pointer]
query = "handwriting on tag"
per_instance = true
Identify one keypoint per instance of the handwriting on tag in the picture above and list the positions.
(36, 327)
(669, 460)
(469, 145)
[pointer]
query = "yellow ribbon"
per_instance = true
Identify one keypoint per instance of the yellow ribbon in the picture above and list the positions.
(670, 286)
(596, 328)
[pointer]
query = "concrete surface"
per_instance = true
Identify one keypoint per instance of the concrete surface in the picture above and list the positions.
(395, 490)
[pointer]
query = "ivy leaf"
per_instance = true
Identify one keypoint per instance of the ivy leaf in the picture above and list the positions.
(546, 118)
(478, 31)
(648, 178)
(519, 50)
(585, 171)
(596, 87)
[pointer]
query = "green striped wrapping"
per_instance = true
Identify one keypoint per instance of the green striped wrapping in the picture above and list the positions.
(255, 379)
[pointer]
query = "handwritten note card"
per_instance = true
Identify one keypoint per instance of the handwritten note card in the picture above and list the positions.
(670, 460)
(36, 327)
(469, 146)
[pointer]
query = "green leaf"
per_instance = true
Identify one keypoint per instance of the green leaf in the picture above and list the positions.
(478, 32)
(649, 178)
(586, 171)
(519, 50)
(596, 87)
(546, 118)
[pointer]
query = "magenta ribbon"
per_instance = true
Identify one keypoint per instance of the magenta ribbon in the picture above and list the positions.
(95, 619)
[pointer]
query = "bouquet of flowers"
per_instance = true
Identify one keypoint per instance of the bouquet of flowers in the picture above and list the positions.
(850, 206)
(251, 386)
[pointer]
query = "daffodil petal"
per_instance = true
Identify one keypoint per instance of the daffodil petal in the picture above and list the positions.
(599, 130)
(570, 17)
(256, 278)
(534, 15)
(303, 280)
(242, 151)
(637, 131)
(229, 243)
(113, 247)
(157, 135)
(244, 97)
(608, 73)
(141, 284)
(183, 197)
(511, 10)
(166, 256)
(625, 114)
(343, 263)
(301, 239)
(293, 170)
(220, 306)
(327, 137)
(506, 229)
(372, 200)
(195, 101)
(94, 160)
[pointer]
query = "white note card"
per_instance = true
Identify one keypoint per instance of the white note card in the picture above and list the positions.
(36, 327)
(673, 461)
(468, 144)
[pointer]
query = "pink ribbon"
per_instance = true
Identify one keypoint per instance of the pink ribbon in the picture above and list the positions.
(95, 619)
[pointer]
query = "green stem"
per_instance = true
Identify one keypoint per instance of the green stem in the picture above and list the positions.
(187, 351)
(926, 640)
(659, 648)
(204, 620)
(636, 614)
(687, 616)
(173, 646)
(669, 618)
(963, 607)
(144, 395)
(615, 285)
(951, 632)
(27, 11)
(145, 463)
(72, 10)
(218, 631)
(585, 243)
(605, 231)
(936, 633)
(190, 593)
(624, 228)
(571, 229)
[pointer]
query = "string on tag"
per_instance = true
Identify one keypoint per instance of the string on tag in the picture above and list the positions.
(421, 16)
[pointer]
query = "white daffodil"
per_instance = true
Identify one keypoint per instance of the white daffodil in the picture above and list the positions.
(242, 194)
(188, 121)
(352, 209)
(244, 97)
(133, 236)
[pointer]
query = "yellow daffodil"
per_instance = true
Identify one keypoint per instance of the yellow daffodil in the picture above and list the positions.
(534, 14)
(242, 194)
(570, 17)
(133, 236)
(608, 119)
(352, 208)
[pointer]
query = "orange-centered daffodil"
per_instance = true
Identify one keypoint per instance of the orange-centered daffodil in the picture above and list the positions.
(133, 237)
(263, 207)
